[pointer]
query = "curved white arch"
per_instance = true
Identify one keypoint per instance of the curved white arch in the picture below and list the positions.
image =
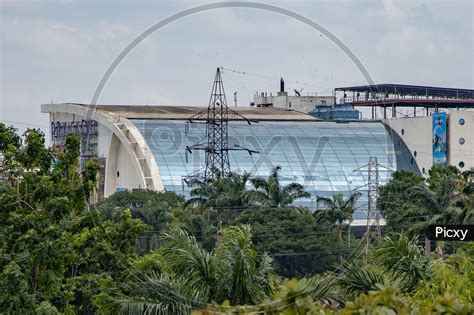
(138, 151)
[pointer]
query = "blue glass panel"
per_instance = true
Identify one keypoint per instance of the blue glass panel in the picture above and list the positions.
(322, 156)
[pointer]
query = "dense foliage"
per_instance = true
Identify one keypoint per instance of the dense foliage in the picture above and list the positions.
(236, 246)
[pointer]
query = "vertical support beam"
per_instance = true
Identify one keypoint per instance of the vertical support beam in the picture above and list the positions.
(385, 112)
(373, 112)
(414, 111)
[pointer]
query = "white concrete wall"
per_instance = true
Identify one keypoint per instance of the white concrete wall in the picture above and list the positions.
(461, 152)
(416, 133)
(125, 175)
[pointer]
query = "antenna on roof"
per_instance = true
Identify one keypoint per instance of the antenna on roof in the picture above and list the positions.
(216, 117)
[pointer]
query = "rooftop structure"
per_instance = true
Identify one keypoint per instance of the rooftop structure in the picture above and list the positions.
(393, 96)
(185, 112)
(298, 101)
(414, 91)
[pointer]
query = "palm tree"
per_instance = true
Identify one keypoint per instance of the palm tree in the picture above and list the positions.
(220, 194)
(440, 206)
(338, 211)
(464, 192)
(404, 258)
(229, 191)
(192, 277)
(357, 279)
(271, 194)
(398, 263)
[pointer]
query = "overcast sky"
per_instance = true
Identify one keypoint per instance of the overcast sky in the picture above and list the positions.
(58, 50)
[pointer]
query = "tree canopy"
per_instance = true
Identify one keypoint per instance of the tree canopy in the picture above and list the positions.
(238, 245)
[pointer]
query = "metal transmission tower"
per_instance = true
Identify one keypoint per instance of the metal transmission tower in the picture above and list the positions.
(372, 193)
(216, 118)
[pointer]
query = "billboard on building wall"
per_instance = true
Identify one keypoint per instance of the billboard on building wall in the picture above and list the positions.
(439, 138)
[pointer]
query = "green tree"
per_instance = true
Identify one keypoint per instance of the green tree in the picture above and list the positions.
(53, 252)
(222, 192)
(294, 297)
(338, 212)
(222, 198)
(464, 193)
(159, 210)
(404, 259)
(435, 206)
(394, 200)
(8, 137)
(270, 193)
(192, 277)
(453, 276)
(438, 175)
(299, 245)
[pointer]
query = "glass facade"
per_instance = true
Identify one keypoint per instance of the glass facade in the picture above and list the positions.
(323, 156)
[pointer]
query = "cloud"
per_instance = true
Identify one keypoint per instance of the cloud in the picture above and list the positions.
(393, 10)
(54, 39)
(63, 50)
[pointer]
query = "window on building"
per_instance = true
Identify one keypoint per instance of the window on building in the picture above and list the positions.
(461, 164)
(462, 141)
(461, 121)
(323, 102)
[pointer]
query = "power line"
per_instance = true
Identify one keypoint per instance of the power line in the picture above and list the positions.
(267, 232)
(274, 78)
(24, 124)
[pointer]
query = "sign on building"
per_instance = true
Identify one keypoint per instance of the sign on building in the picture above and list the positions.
(439, 138)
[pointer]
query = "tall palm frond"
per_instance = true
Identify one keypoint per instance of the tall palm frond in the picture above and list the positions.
(269, 192)
(265, 274)
(324, 289)
(181, 255)
(404, 258)
(236, 267)
(436, 207)
(319, 288)
(192, 277)
(221, 193)
(357, 279)
(293, 191)
(156, 295)
(337, 211)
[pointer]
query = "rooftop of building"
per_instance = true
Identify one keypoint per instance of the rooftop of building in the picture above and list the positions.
(186, 112)
(406, 89)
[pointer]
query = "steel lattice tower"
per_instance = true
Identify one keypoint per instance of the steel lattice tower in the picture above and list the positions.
(216, 146)
(217, 128)
(373, 186)
(372, 193)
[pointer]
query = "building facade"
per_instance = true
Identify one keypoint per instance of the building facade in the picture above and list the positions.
(145, 147)
(417, 134)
